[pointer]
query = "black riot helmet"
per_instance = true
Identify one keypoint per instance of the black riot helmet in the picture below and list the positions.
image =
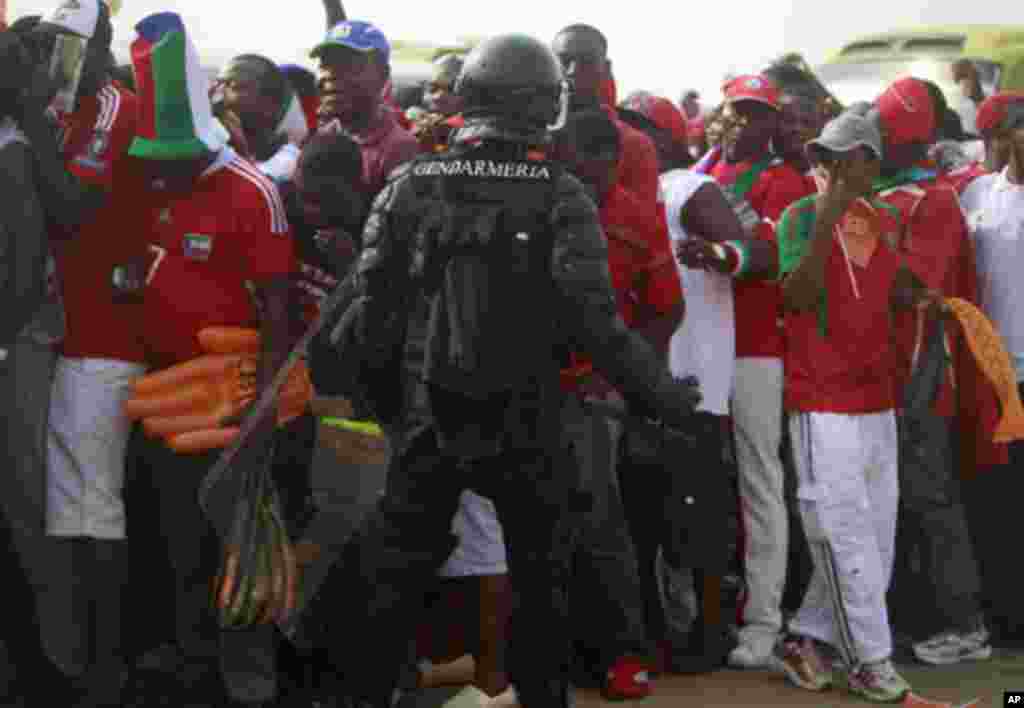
(513, 81)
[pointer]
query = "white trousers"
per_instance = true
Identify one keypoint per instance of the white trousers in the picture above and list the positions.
(86, 442)
(848, 492)
(757, 419)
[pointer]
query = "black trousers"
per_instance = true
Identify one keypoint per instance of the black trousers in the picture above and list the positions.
(993, 500)
(248, 658)
(682, 509)
(936, 585)
(369, 603)
(607, 613)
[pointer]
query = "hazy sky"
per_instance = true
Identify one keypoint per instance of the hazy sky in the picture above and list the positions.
(655, 45)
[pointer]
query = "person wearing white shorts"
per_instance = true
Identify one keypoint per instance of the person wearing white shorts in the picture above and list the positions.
(480, 554)
(88, 436)
(481, 549)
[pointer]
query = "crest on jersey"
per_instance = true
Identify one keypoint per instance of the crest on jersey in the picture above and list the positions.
(198, 247)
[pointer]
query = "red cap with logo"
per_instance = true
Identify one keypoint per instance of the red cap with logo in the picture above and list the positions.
(995, 110)
(662, 112)
(907, 112)
(752, 88)
(695, 128)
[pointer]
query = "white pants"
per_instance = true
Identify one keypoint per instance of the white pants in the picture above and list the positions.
(757, 417)
(848, 492)
(86, 442)
(481, 549)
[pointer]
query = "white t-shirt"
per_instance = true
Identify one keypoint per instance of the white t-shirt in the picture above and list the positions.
(995, 214)
(705, 343)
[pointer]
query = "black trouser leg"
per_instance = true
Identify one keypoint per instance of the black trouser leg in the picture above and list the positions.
(532, 500)
(933, 520)
(644, 488)
(107, 673)
(371, 597)
(192, 546)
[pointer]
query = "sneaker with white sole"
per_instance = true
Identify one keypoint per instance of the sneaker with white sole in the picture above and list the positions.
(469, 697)
(952, 648)
(754, 653)
(878, 682)
(508, 699)
(798, 658)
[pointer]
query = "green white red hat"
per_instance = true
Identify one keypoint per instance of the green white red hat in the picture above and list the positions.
(175, 116)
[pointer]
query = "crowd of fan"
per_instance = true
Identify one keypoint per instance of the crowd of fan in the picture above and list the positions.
(849, 495)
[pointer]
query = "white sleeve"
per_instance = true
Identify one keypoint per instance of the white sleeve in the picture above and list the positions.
(677, 187)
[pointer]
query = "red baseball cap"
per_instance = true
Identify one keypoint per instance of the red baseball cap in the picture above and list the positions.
(662, 112)
(695, 128)
(994, 111)
(907, 112)
(752, 88)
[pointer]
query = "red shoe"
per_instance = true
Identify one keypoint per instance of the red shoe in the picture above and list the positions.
(628, 679)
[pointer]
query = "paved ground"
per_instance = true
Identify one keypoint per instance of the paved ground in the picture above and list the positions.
(735, 689)
(955, 685)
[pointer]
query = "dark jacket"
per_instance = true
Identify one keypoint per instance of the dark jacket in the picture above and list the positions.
(23, 241)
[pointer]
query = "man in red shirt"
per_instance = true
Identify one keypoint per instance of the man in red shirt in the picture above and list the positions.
(583, 52)
(842, 273)
(760, 187)
(936, 245)
(650, 300)
(222, 255)
(354, 72)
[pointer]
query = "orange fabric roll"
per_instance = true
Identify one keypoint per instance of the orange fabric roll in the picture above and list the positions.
(230, 340)
(198, 441)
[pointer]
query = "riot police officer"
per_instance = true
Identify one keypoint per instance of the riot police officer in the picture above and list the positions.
(482, 268)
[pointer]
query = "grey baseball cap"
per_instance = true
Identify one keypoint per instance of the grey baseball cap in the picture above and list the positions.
(847, 131)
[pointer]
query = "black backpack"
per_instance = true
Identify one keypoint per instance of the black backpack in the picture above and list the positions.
(483, 266)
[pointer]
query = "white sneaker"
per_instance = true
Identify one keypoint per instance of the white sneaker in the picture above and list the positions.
(508, 699)
(951, 648)
(754, 653)
(469, 697)
(878, 682)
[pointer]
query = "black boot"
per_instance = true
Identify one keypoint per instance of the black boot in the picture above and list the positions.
(710, 641)
(105, 680)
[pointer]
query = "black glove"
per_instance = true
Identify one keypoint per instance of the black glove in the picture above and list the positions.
(673, 402)
(335, 353)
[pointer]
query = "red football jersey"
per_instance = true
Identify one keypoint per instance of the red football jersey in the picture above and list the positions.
(848, 369)
(638, 166)
(937, 247)
(209, 245)
(641, 265)
(96, 138)
(758, 303)
(639, 257)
